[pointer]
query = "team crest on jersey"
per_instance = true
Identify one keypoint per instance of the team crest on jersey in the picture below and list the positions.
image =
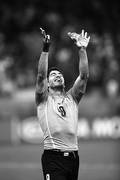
(47, 176)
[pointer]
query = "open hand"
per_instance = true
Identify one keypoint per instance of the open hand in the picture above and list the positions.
(81, 40)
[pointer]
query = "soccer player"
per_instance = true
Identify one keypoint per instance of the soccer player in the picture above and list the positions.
(57, 112)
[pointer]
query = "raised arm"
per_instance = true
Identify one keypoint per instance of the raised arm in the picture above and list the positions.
(79, 87)
(41, 82)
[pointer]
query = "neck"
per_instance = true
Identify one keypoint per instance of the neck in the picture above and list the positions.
(56, 91)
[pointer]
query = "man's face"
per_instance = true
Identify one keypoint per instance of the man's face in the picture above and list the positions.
(55, 79)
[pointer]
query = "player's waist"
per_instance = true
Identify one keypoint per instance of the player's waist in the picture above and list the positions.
(60, 144)
(61, 152)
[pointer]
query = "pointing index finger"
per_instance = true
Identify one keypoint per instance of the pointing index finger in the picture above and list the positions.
(82, 32)
(43, 32)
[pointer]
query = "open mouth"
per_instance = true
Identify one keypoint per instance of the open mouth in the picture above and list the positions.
(58, 80)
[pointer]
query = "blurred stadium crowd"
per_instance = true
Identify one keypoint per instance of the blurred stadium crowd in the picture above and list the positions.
(21, 41)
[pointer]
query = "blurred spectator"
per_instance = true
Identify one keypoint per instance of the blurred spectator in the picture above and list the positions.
(112, 88)
(6, 85)
(63, 55)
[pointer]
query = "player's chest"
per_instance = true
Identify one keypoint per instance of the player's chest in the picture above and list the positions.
(61, 106)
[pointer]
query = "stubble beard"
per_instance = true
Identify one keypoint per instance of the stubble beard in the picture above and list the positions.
(58, 88)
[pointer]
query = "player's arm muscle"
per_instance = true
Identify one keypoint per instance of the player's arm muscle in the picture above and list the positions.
(41, 82)
(79, 86)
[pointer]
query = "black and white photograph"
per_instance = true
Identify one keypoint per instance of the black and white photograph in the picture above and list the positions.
(59, 90)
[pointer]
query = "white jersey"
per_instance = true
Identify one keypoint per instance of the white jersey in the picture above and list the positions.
(58, 118)
(58, 115)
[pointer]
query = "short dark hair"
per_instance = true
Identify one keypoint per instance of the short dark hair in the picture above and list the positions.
(53, 69)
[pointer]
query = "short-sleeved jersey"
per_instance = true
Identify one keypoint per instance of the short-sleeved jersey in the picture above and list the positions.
(58, 118)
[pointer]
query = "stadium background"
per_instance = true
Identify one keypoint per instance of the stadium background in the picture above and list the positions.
(99, 110)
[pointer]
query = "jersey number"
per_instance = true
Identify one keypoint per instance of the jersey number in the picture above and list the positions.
(62, 111)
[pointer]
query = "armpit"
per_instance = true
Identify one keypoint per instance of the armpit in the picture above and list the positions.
(41, 97)
(78, 88)
(76, 95)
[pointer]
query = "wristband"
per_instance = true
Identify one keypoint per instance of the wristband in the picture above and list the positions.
(46, 47)
(82, 48)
